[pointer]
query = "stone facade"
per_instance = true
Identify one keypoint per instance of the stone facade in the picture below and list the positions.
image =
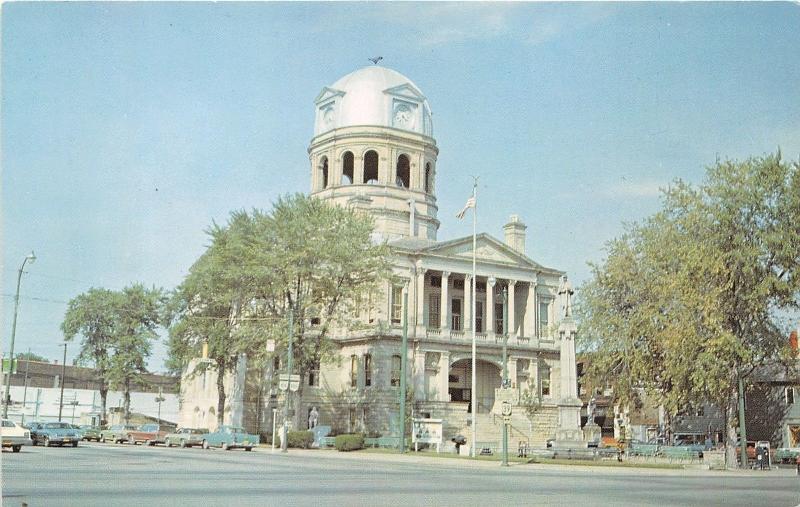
(388, 169)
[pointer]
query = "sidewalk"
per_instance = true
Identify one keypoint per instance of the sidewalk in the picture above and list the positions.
(450, 461)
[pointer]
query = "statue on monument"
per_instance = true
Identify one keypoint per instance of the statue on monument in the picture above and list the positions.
(590, 411)
(567, 291)
(313, 418)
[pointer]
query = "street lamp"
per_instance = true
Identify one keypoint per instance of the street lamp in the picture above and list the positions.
(32, 258)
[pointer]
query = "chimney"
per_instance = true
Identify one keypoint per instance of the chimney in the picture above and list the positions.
(515, 234)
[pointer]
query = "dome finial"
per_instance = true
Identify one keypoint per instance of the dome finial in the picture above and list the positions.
(375, 60)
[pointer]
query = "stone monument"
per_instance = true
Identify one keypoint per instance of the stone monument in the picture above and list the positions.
(591, 430)
(568, 434)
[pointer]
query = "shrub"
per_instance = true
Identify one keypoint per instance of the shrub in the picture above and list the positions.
(349, 442)
(300, 439)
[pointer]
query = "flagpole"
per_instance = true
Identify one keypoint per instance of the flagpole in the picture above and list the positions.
(474, 294)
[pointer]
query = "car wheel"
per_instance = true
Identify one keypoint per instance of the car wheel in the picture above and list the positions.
(183, 443)
(205, 444)
(167, 443)
(102, 439)
(74, 444)
(225, 446)
(248, 448)
(16, 448)
(47, 441)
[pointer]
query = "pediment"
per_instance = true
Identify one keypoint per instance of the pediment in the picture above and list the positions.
(328, 94)
(406, 91)
(487, 250)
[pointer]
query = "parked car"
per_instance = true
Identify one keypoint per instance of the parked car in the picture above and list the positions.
(149, 434)
(33, 427)
(230, 437)
(116, 433)
(186, 437)
(14, 435)
(90, 433)
(56, 433)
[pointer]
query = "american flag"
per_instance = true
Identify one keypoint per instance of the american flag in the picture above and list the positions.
(470, 204)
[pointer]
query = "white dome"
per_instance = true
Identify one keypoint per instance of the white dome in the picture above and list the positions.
(373, 96)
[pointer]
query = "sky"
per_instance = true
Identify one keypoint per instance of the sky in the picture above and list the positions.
(127, 128)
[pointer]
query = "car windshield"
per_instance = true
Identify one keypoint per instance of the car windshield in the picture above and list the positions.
(57, 425)
(115, 427)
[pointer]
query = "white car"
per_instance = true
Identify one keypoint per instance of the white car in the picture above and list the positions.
(14, 435)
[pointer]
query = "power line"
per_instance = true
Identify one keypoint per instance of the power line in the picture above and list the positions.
(33, 298)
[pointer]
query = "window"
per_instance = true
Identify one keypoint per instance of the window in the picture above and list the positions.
(436, 281)
(397, 304)
(347, 168)
(498, 318)
(324, 170)
(434, 310)
(394, 380)
(456, 314)
(478, 316)
(403, 172)
(789, 393)
(353, 371)
(367, 369)
(313, 375)
(458, 284)
(371, 167)
(544, 379)
(428, 182)
(544, 318)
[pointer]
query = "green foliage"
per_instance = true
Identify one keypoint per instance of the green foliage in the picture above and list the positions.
(349, 442)
(300, 439)
(304, 255)
(30, 356)
(690, 299)
(117, 328)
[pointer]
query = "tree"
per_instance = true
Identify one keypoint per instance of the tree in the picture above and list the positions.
(117, 328)
(137, 316)
(691, 300)
(92, 315)
(306, 256)
(30, 356)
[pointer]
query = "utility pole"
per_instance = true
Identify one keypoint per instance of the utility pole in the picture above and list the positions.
(25, 383)
(284, 439)
(403, 367)
(505, 372)
(742, 428)
(63, 373)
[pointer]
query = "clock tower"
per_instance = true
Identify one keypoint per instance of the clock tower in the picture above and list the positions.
(373, 149)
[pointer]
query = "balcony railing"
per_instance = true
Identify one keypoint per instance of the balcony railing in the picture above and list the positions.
(460, 336)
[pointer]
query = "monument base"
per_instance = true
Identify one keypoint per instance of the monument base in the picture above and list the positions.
(592, 432)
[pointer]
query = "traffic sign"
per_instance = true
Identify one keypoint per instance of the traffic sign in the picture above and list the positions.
(291, 382)
(506, 409)
(508, 395)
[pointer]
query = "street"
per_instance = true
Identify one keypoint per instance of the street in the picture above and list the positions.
(103, 474)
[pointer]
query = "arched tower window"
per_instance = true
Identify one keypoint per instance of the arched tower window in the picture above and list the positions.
(324, 169)
(403, 172)
(428, 182)
(347, 168)
(371, 167)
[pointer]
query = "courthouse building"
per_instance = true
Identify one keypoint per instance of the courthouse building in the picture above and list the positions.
(374, 150)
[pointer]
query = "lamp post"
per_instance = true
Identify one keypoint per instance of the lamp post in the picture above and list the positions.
(284, 437)
(504, 299)
(32, 258)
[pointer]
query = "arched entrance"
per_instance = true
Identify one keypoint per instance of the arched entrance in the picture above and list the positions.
(460, 389)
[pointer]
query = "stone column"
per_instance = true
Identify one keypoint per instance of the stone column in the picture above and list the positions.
(530, 311)
(512, 370)
(569, 405)
(419, 375)
(512, 329)
(467, 303)
(358, 169)
(444, 377)
(421, 295)
(444, 307)
(490, 283)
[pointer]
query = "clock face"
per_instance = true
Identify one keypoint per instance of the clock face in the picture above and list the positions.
(403, 117)
(327, 117)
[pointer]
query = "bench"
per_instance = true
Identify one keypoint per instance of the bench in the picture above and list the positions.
(574, 453)
(646, 450)
(382, 442)
(680, 453)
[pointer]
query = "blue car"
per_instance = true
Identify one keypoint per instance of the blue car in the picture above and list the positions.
(230, 437)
